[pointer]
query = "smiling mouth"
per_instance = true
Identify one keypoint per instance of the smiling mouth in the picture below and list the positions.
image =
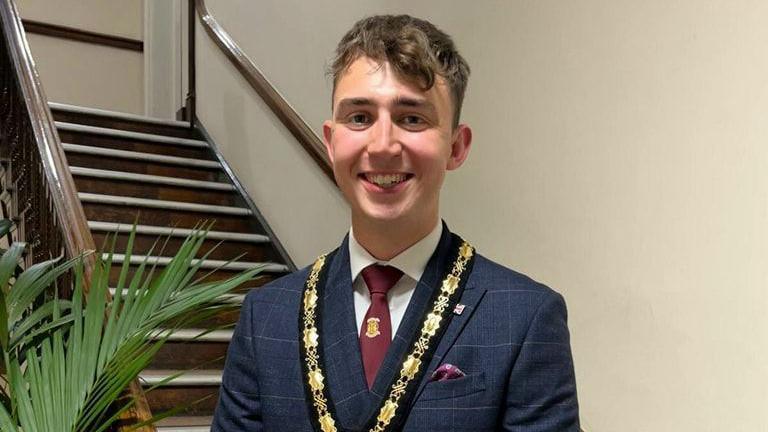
(386, 181)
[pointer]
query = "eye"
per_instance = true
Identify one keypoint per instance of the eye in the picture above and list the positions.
(358, 120)
(413, 122)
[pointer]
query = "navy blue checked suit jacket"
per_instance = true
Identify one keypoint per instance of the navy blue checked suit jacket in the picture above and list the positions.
(511, 340)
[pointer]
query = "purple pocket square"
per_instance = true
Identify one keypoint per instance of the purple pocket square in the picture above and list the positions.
(446, 372)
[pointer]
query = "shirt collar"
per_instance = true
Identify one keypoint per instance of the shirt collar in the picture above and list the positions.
(412, 261)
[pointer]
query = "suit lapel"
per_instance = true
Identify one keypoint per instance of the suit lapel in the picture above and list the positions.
(354, 404)
(346, 378)
(413, 318)
(470, 299)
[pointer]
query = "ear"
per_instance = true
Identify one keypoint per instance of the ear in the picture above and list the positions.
(462, 142)
(327, 136)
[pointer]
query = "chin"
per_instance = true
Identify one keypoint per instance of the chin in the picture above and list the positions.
(380, 214)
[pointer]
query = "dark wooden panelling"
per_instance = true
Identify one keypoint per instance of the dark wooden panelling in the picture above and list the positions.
(106, 141)
(143, 167)
(71, 33)
(163, 217)
(154, 191)
(123, 124)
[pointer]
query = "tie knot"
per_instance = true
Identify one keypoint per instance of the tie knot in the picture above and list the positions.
(380, 278)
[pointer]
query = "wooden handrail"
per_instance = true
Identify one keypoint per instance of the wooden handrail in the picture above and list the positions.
(39, 169)
(77, 237)
(279, 106)
(75, 34)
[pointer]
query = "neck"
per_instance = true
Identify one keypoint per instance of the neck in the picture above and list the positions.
(385, 241)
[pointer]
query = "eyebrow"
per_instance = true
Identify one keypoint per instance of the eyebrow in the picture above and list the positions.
(402, 101)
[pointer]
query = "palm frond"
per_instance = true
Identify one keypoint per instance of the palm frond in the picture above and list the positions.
(91, 350)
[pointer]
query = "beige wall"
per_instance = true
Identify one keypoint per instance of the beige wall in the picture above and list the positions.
(620, 156)
(87, 74)
(300, 204)
(115, 17)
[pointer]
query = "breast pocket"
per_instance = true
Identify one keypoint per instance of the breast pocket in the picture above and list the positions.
(453, 388)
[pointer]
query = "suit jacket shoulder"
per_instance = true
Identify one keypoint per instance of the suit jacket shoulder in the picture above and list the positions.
(513, 343)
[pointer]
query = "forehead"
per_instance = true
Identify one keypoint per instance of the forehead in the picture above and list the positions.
(367, 78)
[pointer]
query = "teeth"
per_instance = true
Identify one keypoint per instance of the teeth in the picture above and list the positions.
(386, 180)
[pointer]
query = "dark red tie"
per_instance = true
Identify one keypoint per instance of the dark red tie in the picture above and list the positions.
(376, 331)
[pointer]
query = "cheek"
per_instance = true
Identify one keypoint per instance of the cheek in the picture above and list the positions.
(344, 151)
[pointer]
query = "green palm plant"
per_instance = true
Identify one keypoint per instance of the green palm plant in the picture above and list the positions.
(66, 362)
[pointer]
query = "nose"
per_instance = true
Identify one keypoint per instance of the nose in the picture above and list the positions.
(384, 141)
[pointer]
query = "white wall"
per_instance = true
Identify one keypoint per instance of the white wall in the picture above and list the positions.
(164, 46)
(86, 74)
(619, 156)
(297, 200)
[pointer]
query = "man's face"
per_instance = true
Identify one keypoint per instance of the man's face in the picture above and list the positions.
(390, 144)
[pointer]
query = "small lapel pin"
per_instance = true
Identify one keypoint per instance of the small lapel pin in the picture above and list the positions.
(459, 309)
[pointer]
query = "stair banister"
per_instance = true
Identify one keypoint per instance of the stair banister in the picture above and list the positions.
(45, 208)
(279, 106)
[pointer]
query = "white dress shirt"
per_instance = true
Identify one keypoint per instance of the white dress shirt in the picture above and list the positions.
(411, 262)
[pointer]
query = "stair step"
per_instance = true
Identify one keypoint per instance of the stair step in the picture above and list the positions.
(211, 377)
(146, 167)
(196, 335)
(205, 428)
(225, 318)
(177, 232)
(200, 276)
(138, 136)
(219, 245)
(130, 144)
(139, 189)
(186, 349)
(148, 178)
(162, 204)
(190, 387)
(162, 216)
(185, 424)
(204, 264)
(209, 271)
(141, 156)
(115, 114)
(231, 298)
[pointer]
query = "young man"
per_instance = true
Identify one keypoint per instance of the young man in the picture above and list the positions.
(404, 326)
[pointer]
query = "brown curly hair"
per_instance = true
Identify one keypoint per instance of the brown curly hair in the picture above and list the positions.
(415, 48)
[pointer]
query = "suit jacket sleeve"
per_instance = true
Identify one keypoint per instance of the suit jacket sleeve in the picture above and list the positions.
(239, 406)
(541, 394)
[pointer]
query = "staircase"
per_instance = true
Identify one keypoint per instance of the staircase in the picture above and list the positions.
(164, 175)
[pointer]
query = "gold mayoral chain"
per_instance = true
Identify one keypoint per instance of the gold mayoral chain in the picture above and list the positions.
(315, 376)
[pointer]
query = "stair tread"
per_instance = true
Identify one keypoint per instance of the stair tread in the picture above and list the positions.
(142, 136)
(116, 114)
(149, 178)
(205, 428)
(182, 428)
(198, 377)
(207, 264)
(231, 298)
(176, 232)
(128, 154)
(197, 335)
(155, 203)
(185, 421)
